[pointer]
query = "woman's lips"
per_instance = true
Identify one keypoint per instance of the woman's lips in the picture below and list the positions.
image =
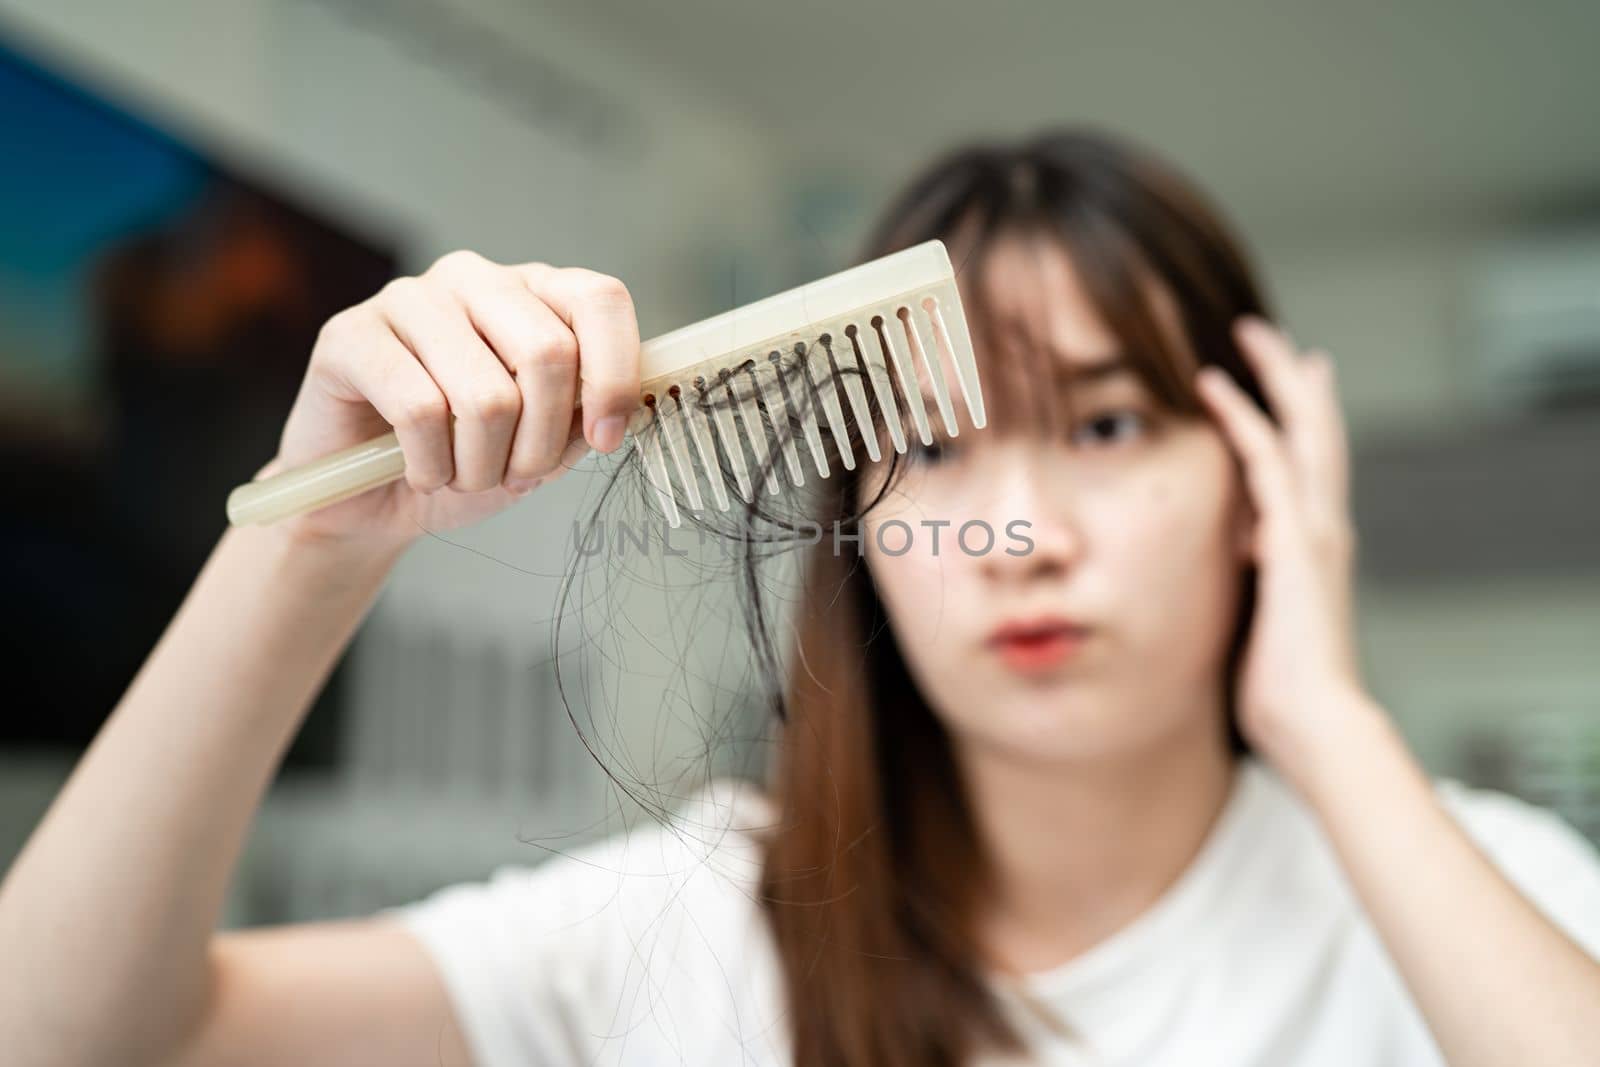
(1038, 645)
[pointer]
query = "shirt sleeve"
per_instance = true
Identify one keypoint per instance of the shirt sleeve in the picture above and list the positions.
(1542, 854)
(536, 958)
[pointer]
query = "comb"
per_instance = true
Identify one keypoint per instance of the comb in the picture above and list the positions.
(743, 385)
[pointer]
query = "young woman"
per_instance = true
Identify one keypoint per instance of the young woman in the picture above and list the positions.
(1119, 797)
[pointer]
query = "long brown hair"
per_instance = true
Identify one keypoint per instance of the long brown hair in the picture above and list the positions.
(873, 869)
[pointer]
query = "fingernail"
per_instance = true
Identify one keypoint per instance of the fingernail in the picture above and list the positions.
(520, 486)
(608, 432)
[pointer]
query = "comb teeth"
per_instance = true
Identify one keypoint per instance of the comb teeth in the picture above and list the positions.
(737, 419)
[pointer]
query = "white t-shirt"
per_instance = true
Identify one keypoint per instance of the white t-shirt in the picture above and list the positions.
(648, 947)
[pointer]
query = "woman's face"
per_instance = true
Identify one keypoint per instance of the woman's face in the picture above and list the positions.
(1122, 610)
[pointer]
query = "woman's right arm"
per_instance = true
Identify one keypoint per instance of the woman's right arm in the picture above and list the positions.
(107, 917)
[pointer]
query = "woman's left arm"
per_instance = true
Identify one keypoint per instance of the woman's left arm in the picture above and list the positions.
(1495, 979)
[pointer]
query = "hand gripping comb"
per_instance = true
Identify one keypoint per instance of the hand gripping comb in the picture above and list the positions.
(728, 389)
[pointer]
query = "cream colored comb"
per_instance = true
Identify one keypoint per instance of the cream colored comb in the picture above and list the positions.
(732, 387)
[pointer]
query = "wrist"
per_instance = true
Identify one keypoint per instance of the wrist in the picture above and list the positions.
(321, 560)
(1337, 736)
(310, 533)
(369, 543)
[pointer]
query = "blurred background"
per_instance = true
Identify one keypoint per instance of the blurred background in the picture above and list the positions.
(188, 189)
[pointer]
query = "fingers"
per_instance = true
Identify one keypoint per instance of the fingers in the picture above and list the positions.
(1276, 363)
(538, 350)
(478, 367)
(599, 310)
(1304, 396)
(1257, 441)
(372, 366)
(477, 386)
(1329, 457)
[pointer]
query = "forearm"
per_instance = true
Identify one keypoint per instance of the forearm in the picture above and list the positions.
(1463, 937)
(107, 914)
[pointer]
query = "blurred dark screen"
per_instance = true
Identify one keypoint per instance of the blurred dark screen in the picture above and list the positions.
(157, 308)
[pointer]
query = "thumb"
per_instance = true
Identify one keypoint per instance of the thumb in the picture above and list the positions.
(273, 466)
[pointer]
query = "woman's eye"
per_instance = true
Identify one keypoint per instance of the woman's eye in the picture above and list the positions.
(930, 454)
(1109, 428)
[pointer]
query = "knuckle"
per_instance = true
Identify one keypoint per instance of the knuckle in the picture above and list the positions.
(557, 349)
(456, 263)
(496, 402)
(424, 482)
(531, 467)
(339, 326)
(425, 412)
(400, 290)
(603, 289)
(533, 271)
(543, 457)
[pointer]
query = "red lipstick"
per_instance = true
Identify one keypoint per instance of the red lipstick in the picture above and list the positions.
(1033, 645)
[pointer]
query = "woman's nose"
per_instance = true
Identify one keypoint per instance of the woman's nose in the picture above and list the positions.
(1033, 513)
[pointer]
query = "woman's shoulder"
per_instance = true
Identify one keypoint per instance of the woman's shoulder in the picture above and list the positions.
(738, 805)
(651, 919)
(1502, 825)
(1537, 849)
(694, 848)
(1502, 822)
